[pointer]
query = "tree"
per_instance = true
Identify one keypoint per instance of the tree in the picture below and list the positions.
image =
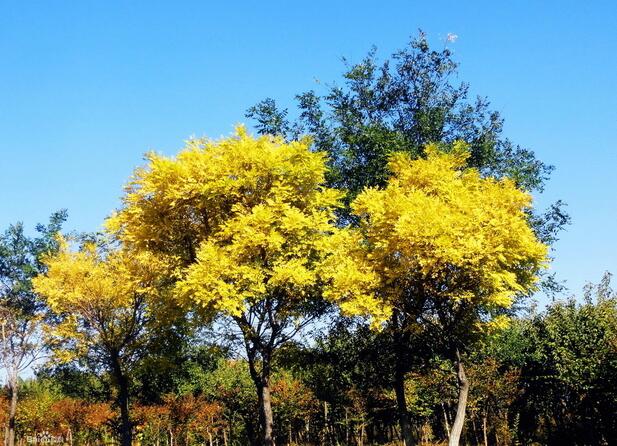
(20, 347)
(347, 368)
(569, 365)
(293, 403)
(495, 387)
(175, 364)
(231, 385)
(101, 299)
(402, 104)
(247, 223)
(20, 309)
(35, 417)
(450, 249)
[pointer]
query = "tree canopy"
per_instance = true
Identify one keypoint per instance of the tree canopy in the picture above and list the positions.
(246, 225)
(441, 232)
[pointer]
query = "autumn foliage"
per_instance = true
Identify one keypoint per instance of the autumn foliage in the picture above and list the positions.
(242, 235)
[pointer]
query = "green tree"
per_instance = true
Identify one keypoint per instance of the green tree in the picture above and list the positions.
(20, 308)
(570, 368)
(231, 385)
(349, 370)
(402, 104)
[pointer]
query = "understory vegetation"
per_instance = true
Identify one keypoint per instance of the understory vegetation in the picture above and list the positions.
(547, 379)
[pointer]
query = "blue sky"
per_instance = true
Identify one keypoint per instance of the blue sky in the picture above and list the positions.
(87, 87)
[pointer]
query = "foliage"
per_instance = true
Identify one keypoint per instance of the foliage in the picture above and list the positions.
(384, 212)
(570, 370)
(103, 313)
(20, 310)
(99, 300)
(547, 378)
(245, 226)
(400, 105)
(20, 261)
(442, 233)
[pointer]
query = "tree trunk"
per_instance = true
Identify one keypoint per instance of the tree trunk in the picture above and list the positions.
(401, 401)
(399, 383)
(126, 437)
(267, 416)
(10, 431)
(125, 420)
(346, 426)
(326, 424)
(261, 379)
(252, 432)
(259, 351)
(463, 391)
(445, 417)
(475, 430)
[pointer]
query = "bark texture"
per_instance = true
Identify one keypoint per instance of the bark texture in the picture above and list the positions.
(463, 392)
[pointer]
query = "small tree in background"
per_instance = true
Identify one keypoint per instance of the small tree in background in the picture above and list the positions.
(20, 309)
(103, 311)
(20, 347)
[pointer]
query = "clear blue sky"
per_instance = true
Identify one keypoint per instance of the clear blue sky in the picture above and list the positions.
(87, 87)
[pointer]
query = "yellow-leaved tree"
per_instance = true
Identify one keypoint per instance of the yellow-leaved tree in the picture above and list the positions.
(102, 300)
(451, 250)
(247, 224)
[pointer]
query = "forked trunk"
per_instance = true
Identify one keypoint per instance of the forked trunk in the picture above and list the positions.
(463, 391)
